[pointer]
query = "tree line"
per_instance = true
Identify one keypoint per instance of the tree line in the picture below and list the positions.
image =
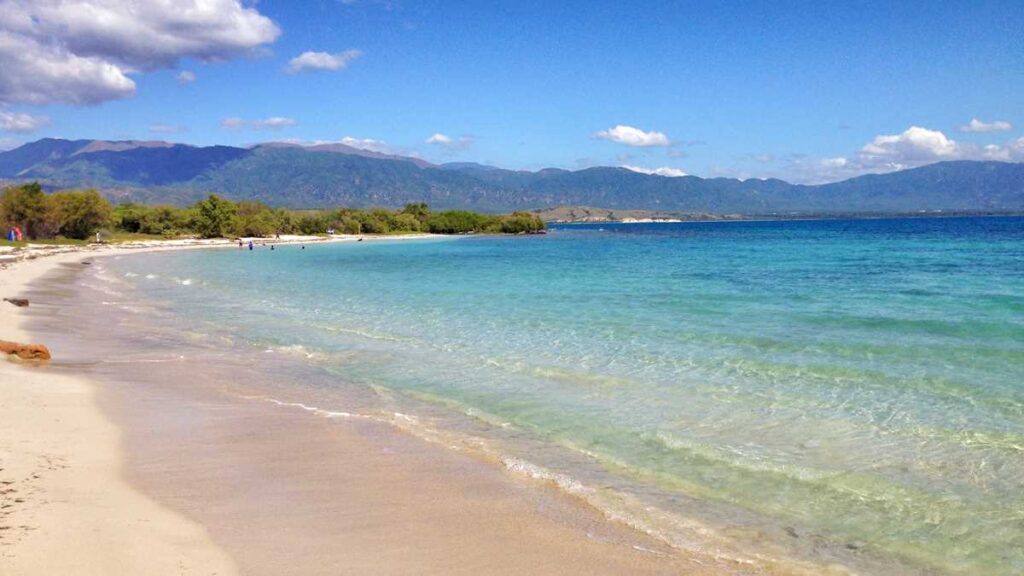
(79, 214)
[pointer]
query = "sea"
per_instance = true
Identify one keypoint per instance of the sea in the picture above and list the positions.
(831, 392)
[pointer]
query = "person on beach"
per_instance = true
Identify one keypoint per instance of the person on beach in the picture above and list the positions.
(250, 244)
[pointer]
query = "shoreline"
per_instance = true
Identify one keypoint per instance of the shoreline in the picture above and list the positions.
(501, 508)
(66, 505)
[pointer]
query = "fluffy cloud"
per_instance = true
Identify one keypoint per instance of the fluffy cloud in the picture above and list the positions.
(321, 61)
(631, 136)
(82, 53)
(367, 144)
(185, 77)
(449, 143)
(976, 125)
(666, 171)
(21, 123)
(915, 146)
(271, 123)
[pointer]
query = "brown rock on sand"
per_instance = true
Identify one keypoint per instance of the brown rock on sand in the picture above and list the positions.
(25, 351)
(19, 302)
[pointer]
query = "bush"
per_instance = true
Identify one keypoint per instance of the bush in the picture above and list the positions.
(214, 217)
(79, 214)
(165, 221)
(313, 223)
(457, 222)
(27, 207)
(128, 217)
(255, 219)
(521, 223)
(404, 222)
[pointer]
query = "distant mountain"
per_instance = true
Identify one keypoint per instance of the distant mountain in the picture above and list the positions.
(284, 174)
(340, 148)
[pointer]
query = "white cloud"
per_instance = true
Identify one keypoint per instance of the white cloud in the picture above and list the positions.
(912, 145)
(976, 125)
(631, 136)
(367, 144)
(21, 123)
(915, 146)
(321, 61)
(449, 143)
(185, 77)
(271, 123)
(159, 128)
(8, 144)
(666, 171)
(78, 52)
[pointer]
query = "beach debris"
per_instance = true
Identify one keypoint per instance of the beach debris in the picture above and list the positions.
(25, 351)
(19, 302)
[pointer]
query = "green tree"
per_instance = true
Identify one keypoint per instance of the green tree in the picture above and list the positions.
(521, 223)
(405, 222)
(164, 220)
(128, 216)
(255, 219)
(313, 223)
(27, 207)
(418, 210)
(79, 213)
(214, 217)
(458, 222)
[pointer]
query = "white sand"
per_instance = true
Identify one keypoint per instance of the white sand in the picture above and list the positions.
(65, 507)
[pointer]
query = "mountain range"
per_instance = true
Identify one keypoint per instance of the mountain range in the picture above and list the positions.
(290, 175)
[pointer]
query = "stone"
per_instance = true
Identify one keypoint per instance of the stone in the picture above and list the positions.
(25, 351)
(19, 302)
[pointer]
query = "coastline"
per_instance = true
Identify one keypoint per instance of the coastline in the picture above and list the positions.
(66, 505)
(104, 472)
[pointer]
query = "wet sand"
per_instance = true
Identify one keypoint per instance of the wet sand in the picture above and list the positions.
(266, 489)
(65, 505)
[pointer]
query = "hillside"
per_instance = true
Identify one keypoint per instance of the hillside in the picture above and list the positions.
(339, 175)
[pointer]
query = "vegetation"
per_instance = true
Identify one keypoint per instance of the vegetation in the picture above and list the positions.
(78, 214)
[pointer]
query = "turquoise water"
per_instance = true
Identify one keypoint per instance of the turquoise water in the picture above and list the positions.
(841, 390)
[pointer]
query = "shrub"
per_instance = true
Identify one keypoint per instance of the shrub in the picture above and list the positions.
(521, 223)
(79, 213)
(214, 217)
(255, 219)
(27, 207)
(457, 222)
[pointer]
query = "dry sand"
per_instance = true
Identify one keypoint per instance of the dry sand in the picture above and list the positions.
(65, 507)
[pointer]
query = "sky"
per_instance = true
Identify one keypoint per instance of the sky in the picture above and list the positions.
(803, 91)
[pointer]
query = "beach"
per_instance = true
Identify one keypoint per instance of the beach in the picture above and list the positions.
(176, 477)
(66, 507)
(814, 397)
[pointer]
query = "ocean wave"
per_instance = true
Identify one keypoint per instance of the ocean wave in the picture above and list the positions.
(295, 350)
(675, 531)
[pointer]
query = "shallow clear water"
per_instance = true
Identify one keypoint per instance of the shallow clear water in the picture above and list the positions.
(852, 389)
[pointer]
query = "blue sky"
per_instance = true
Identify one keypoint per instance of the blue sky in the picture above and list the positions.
(803, 91)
